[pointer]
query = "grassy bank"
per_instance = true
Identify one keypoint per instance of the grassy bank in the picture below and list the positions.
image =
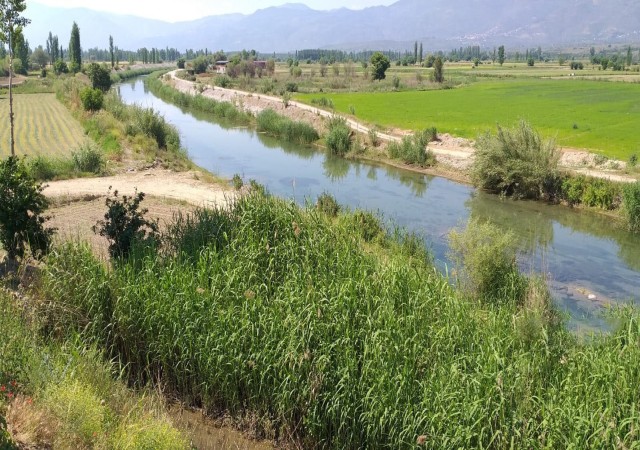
(62, 394)
(329, 331)
(584, 114)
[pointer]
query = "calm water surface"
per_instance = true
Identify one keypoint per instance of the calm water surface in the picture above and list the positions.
(582, 252)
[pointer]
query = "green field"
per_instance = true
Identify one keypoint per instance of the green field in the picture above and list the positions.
(43, 126)
(600, 116)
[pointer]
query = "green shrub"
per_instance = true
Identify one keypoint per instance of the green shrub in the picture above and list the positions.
(237, 182)
(92, 99)
(42, 168)
(516, 162)
(124, 225)
(88, 158)
(223, 81)
(150, 123)
(291, 87)
(599, 193)
(21, 211)
(631, 205)
(633, 160)
(338, 138)
(293, 131)
(485, 261)
(328, 204)
(181, 63)
(60, 67)
(413, 149)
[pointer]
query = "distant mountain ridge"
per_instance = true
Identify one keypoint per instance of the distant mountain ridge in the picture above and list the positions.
(439, 24)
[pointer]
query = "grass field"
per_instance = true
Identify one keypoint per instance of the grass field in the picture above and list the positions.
(43, 126)
(600, 116)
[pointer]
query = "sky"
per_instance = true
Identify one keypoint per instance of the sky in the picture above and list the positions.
(195, 9)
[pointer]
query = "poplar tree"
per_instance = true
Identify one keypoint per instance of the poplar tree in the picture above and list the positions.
(10, 18)
(501, 57)
(420, 55)
(113, 56)
(415, 52)
(75, 50)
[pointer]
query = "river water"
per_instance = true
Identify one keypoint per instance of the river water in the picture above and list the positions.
(582, 253)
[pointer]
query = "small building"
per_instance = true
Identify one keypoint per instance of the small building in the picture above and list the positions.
(221, 67)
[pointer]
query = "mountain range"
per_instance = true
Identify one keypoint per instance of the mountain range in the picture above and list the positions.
(439, 24)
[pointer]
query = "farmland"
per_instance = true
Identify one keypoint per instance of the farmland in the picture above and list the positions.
(601, 116)
(43, 126)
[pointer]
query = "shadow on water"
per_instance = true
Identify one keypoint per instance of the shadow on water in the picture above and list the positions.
(581, 253)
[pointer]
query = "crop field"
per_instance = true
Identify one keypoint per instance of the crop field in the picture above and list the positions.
(600, 116)
(43, 126)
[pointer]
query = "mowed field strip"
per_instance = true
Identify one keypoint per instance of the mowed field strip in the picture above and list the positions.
(43, 126)
(599, 116)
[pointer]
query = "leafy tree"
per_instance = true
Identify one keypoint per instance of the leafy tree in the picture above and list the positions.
(39, 58)
(3, 52)
(92, 99)
(100, 77)
(380, 64)
(21, 209)
(112, 52)
(75, 50)
(531, 62)
(438, 70)
(10, 18)
(501, 57)
(181, 63)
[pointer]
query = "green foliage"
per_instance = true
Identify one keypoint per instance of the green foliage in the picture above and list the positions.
(181, 63)
(633, 160)
(223, 81)
(516, 162)
(631, 205)
(379, 63)
(484, 257)
(328, 205)
(150, 123)
(338, 137)
(60, 67)
(224, 110)
(21, 211)
(237, 182)
(92, 99)
(438, 70)
(501, 55)
(413, 149)
(531, 62)
(124, 225)
(100, 76)
(200, 64)
(280, 314)
(293, 131)
(75, 50)
(88, 158)
(323, 102)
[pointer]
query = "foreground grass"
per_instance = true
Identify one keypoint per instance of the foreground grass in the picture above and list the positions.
(61, 394)
(601, 116)
(43, 127)
(331, 332)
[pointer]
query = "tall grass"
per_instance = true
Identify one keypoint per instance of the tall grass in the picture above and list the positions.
(413, 149)
(338, 137)
(224, 110)
(631, 205)
(283, 314)
(284, 128)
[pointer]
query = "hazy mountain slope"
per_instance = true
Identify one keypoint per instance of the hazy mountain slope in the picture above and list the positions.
(441, 23)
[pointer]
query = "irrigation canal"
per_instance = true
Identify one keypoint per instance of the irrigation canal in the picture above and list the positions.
(590, 263)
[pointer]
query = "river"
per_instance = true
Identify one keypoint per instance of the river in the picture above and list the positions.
(582, 253)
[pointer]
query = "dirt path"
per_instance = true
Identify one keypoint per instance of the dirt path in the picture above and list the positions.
(161, 183)
(455, 153)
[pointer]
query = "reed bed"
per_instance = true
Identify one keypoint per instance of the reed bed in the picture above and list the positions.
(291, 317)
(282, 127)
(197, 102)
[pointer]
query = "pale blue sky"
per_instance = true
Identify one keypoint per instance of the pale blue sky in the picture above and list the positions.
(173, 11)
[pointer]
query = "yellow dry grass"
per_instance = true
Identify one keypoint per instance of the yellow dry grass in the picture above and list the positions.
(43, 126)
